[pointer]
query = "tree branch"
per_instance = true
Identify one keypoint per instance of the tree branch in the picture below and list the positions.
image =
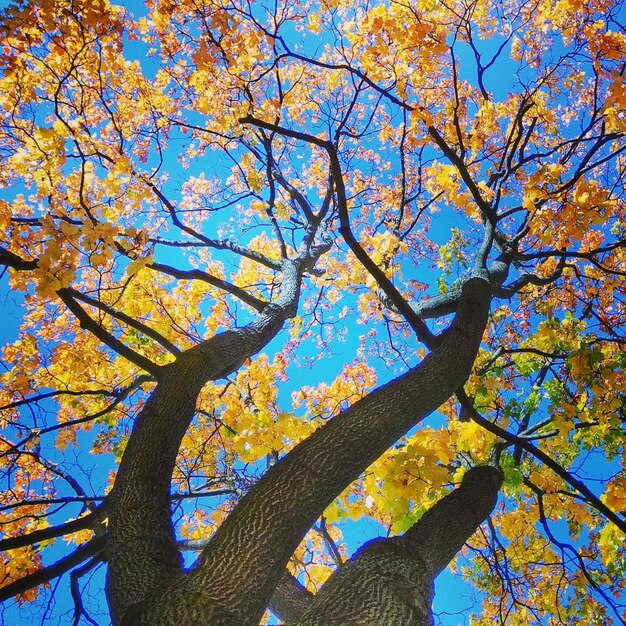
(256, 303)
(345, 229)
(45, 574)
(105, 337)
(52, 532)
(560, 471)
(10, 259)
(390, 581)
(140, 528)
(127, 319)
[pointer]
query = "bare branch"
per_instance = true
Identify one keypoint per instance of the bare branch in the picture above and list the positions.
(127, 319)
(52, 532)
(256, 303)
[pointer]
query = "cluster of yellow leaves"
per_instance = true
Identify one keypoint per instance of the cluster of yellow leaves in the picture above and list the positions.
(258, 427)
(405, 482)
(395, 44)
(18, 564)
(323, 401)
(313, 559)
(80, 536)
(24, 355)
(410, 478)
(615, 494)
(588, 205)
(533, 560)
(596, 384)
(196, 526)
(612, 551)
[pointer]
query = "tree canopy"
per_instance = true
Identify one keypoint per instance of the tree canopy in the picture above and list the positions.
(280, 267)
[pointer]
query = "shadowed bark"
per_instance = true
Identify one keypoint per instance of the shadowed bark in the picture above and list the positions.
(233, 580)
(290, 599)
(390, 581)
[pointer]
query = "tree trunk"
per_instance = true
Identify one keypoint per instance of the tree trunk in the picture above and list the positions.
(234, 578)
(142, 552)
(390, 581)
(290, 599)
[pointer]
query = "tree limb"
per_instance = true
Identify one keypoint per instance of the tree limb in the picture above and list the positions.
(256, 303)
(140, 528)
(52, 532)
(127, 319)
(105, 337)
(390, 580)
(45, 574)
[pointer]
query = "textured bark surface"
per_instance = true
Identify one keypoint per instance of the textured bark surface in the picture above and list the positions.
(142, 552)
(142, 546)
(234, 578)
(442, 530)
(290, 599)
(390, 581)
(384, 583)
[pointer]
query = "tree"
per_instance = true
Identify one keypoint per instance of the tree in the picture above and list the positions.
(415, 207)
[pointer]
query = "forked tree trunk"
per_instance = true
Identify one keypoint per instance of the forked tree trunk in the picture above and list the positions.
(234, 578)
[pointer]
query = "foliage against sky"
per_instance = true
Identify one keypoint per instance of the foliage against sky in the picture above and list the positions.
(157, 169)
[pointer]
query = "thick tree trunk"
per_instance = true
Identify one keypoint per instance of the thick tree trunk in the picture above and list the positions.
(141, 549)
(234, 578)
(390, 581)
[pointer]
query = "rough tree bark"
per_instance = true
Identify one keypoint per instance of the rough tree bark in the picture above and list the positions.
(390, 581)
(290, 599)
(234, 578)
(141, 548)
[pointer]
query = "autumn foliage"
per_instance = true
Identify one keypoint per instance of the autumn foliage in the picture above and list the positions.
(180, 169)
